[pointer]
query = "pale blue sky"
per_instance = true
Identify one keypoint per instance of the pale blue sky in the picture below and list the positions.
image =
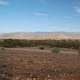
(39, 16)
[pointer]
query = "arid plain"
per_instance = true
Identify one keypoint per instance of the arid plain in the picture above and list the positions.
(35, 64)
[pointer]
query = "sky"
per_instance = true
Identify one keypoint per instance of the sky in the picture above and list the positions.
(39, 16)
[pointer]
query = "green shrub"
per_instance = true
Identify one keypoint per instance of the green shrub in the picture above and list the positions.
(2, 48)
(55, 50)
(41, 47)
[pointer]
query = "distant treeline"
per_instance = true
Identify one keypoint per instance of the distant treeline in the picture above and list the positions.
(32, 43)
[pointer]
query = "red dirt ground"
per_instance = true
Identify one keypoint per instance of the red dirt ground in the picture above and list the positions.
(35, 64)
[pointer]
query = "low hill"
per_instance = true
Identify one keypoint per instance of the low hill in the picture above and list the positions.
(40, 35)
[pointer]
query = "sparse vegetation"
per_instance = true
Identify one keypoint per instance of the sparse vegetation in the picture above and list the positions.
(41, 47)
(56, 50)
(22, 61)
(2, 48)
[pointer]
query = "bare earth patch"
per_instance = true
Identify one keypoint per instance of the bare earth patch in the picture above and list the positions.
(35, 64)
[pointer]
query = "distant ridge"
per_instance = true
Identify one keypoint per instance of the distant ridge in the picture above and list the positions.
(40, 35)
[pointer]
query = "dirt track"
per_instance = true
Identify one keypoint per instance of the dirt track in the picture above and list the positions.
(23, 64)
